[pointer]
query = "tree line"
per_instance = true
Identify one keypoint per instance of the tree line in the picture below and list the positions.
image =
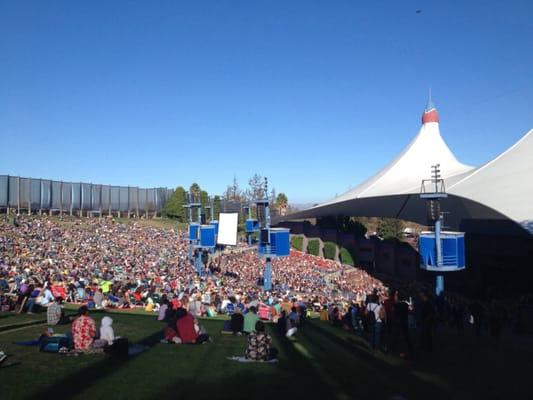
(174, 207)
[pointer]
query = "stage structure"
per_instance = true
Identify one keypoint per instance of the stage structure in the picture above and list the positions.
(440, 251)
(251, 224)
(273, 242)
(202, 236)
(210, 212)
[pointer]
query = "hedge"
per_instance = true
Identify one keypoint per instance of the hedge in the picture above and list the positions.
(313, 247)
(330, 249)
(297, 242)
(346, 257)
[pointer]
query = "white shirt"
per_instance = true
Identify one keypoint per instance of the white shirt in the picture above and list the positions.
(375, 308)
(47, 297)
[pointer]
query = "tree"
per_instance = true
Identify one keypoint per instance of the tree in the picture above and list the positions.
(216, 206)
(390, 228)
(204, 201)
(344, 224)
(233, 191)
(346, 257)
(195, 191)
(356, 226)
(313, 247)
(256, 189)
(174, 206)
(272, 196)
(297, 242)
(281, 204)
(330, 250)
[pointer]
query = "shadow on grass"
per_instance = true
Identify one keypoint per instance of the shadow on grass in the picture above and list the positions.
(78, 382)
(376, 372)
(318, 364)
(292, 376)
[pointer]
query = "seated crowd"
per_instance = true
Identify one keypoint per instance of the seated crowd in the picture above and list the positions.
(104, 264)
(101, 264)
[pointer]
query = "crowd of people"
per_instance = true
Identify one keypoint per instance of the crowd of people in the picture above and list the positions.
(100, 263)
(108, 264)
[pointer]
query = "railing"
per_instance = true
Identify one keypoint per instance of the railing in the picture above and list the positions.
(267, 249)
(46, 195)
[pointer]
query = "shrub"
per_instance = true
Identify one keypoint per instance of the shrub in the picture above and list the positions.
(346, 257)
(313, 247)
(330, 249)
(297, 242)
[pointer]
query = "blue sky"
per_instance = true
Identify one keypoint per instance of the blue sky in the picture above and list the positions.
(315, 95)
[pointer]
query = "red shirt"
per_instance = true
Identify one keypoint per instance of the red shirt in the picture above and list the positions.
(59, 291)
(83, 331)
(186, 330)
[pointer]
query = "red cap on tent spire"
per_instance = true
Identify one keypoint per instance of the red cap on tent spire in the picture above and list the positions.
(430, 113)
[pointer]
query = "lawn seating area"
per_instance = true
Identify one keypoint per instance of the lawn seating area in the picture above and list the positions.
(320, 361)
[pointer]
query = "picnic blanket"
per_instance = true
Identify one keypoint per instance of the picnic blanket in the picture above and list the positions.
(246, 360)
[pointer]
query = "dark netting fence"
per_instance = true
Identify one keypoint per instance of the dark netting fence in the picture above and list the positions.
(46, 195)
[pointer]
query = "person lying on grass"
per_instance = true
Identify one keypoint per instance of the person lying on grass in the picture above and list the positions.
(259, 344)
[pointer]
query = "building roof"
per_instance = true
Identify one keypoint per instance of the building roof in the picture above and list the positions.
(500, 190)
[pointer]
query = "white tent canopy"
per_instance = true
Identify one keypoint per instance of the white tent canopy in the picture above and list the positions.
(499, 191)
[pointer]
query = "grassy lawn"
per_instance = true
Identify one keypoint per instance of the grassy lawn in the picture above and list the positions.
(321, 362)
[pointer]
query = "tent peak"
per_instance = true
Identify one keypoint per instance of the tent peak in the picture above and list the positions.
(430, 112)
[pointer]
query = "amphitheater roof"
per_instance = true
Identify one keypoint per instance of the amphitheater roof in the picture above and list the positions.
(499, 191)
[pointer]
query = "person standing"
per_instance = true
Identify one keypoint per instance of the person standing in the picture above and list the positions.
(427, 319)
(400, 327)
(375, 320)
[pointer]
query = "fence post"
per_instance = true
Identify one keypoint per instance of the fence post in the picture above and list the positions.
(101, 213)
(8, 195)
(40, 197)
(146, 204)
(61, 198)
(81, 200)
(137, 204)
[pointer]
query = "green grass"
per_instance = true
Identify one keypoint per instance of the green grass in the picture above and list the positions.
(320, 362)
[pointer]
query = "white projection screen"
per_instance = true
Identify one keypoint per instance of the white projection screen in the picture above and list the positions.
(227, 228)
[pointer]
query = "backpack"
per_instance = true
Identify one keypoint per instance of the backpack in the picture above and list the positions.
(371, 316)
(53, 344)
(119, 348)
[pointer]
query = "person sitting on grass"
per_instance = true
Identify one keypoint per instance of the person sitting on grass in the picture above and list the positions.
(55, 314)
(324, 315)
(98, 299)
(282, 324)
(83, 330)
(250, 319)
(106, 331)
(188, 331)
(237, 322)
(259, 344)
(161, 316)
